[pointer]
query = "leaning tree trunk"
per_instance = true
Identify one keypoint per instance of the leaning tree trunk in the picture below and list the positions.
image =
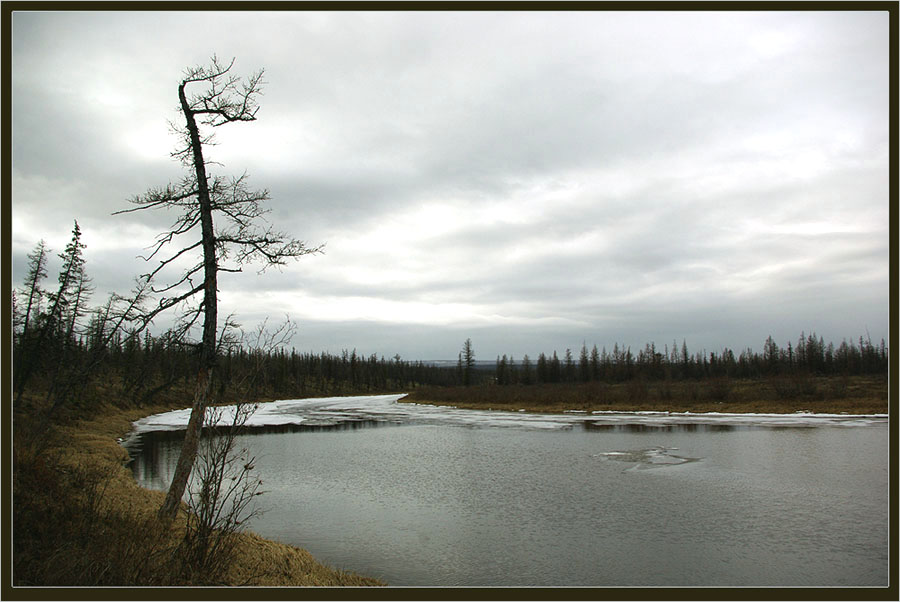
(208, 345)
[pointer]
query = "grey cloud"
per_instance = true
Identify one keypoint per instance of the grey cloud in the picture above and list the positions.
(728, 129)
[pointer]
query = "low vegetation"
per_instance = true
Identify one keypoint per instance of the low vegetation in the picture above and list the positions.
(79, 518)
(775, 394)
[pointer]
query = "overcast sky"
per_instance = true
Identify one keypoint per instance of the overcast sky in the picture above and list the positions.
(530, 180)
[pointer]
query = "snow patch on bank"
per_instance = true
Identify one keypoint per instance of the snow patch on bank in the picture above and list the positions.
(385, 408)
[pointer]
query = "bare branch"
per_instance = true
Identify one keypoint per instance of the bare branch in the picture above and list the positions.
(232, 232)
(160, 197)
(186, 277)
(271, 247)
(165, 262)
(223, 101)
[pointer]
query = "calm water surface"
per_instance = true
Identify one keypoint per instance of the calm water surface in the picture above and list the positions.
(451, 499)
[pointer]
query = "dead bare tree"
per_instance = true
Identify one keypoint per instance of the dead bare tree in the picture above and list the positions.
(232, 232)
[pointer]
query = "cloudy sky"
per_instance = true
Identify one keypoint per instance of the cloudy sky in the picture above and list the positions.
(530, 180)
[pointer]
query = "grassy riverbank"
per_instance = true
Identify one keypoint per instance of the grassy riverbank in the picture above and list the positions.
(779, 395)
(80, 519)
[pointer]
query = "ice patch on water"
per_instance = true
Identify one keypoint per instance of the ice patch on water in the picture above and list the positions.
(386, 409)
(653, 457)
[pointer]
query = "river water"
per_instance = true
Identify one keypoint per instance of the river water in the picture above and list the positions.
(424, 495)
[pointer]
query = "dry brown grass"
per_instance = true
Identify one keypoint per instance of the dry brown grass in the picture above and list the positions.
(852, 395)
(78, 474)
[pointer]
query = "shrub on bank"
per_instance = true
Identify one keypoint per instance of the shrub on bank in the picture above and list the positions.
(79, 519)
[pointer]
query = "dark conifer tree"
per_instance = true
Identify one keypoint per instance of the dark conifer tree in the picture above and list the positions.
(468, 359)
(584, 366)
(37, 271)
(527, 371)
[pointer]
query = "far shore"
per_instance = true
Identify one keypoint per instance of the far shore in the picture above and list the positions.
(819, 395)
(861, 396)
(854, 409)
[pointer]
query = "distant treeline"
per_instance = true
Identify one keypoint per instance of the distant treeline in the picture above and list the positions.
(66, 351)
(810, 355)
(140, 370)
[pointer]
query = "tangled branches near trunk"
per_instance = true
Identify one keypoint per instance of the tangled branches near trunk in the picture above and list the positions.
(221, 496)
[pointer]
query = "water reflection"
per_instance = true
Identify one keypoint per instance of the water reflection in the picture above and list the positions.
(529, 500)
(154, 456)
(659, 427)
(345, 425)
(155, 453)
